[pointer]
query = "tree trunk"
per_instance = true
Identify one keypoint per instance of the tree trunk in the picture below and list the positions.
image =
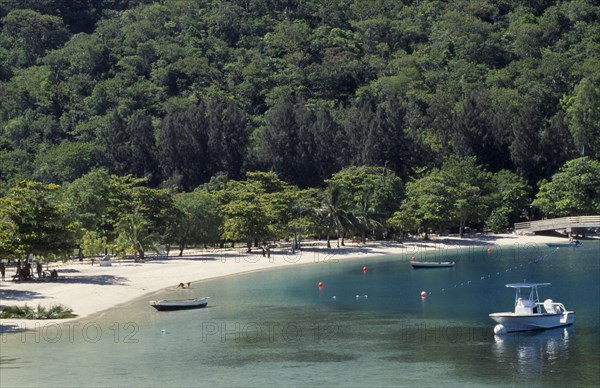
(461, 228)
(249, 246)
(328, 241)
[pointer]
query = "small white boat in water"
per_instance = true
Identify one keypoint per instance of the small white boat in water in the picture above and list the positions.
(432, 264)
(571, 244)
(529, 313)
(179, 304)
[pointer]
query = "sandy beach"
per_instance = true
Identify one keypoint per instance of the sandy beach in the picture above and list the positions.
(90, 288)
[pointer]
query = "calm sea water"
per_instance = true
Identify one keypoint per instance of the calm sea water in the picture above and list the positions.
(277, 328)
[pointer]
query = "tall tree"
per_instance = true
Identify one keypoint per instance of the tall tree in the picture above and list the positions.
(583, 114)
(116, 140)
(573, 191)
(40, 223)
(183, 145)
(143, 151)
(198, 219)
(525, 147)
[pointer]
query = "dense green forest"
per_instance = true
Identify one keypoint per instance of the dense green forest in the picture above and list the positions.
(187, 94)
(178, 91)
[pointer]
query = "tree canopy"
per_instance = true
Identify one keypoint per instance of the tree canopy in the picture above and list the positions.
(279, 119)
(178, 92)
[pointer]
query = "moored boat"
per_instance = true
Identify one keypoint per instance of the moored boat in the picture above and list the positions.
(179, 304)
(530, 313)
(431, 264)
(573, 244)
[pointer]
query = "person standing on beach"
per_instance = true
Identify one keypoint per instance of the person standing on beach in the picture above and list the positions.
(2, 270)
(39, 269)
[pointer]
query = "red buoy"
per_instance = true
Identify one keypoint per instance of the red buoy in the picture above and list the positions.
(365, 269)
(320, 284)
(423, 294)
(489, 251)
(413, 259)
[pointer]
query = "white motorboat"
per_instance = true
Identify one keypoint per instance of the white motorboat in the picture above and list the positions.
(179, 304)
(530, 313)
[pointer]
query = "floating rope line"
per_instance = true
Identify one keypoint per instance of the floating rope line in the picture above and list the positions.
(469, 283)
(499, 273)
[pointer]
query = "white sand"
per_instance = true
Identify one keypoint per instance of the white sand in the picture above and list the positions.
(88, 289)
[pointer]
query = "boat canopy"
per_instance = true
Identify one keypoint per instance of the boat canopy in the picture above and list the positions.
(527, 285)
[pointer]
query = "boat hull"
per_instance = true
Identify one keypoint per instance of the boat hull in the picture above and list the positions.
(514, 322)
(185, 304)
(431, 264)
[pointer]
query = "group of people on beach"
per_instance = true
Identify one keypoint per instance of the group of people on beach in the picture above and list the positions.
(25, 272)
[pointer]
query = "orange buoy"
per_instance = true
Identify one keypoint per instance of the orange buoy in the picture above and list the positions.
(320, 284)
(423, 294)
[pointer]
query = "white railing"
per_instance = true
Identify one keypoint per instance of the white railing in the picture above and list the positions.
(559, 223)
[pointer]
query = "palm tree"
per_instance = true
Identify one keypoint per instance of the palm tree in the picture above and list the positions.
(134, 233)
(334, 213)
(366, 216)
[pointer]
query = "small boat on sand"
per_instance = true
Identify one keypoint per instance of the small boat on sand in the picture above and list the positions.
(179, 304)
(431, 264)
(530, 313)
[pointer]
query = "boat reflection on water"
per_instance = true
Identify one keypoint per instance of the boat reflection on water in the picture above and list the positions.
(534, 352)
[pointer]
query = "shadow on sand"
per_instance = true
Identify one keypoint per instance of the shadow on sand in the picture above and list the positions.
(8, 294)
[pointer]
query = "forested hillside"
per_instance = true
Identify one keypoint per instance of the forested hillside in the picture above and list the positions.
(179, 91)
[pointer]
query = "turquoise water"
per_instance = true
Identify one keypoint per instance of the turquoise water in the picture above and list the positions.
(277, 328)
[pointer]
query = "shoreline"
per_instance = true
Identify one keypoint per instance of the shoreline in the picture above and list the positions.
(90, 288)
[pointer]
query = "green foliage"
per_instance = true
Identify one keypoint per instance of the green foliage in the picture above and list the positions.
(92, 244)
(508, 198)
(583, 113)
(179, 92)
(176, 92)
(56, 311)
(67, 162)
(573, 191)
(134, 235)
(30, 34)
(88, 199)
(461, 192)
(105, 203)
(428, 200)
(197, 219)
(40, 223)
(371, 194)
(250, 206)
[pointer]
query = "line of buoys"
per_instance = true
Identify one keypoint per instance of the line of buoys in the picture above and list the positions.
(534, 261)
